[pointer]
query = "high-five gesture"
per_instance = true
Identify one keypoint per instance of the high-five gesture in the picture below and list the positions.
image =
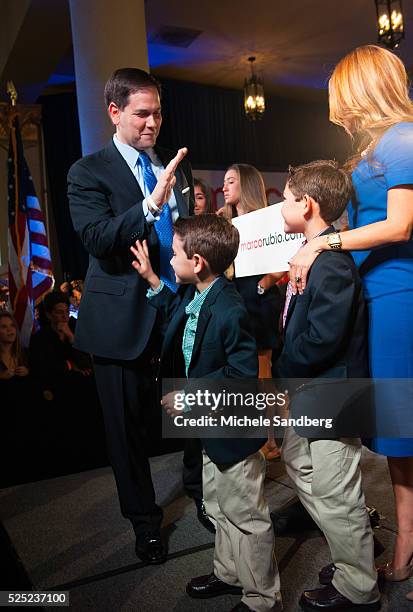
(142, 264)
(167, 180)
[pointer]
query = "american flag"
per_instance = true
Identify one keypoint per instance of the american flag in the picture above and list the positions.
(30, 266)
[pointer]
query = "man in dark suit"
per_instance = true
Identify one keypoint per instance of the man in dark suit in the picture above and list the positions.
(129, 190)
(325, 337)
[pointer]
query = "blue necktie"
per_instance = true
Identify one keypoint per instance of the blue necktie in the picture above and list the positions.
(163, 226)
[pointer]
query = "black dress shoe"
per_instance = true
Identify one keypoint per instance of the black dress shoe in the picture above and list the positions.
(294, 519)
(328, 598)
(149, 549)
(203, 587)
(325, 575)
(202, 515)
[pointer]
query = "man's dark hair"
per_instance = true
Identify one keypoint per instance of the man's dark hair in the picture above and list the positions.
(127, 81)
(212, 237)
(324, 181)
(52, 299)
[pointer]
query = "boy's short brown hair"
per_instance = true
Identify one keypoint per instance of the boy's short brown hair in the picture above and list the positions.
(212, 237)
(324, 181)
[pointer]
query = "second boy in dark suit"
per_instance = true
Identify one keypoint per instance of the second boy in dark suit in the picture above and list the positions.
(325, 336)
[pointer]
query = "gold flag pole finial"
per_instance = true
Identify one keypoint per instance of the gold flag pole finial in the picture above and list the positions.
(11, 90)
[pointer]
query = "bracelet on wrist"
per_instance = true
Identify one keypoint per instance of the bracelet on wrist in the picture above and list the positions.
(334, 241)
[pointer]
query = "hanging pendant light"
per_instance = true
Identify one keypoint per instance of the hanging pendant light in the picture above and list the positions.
(254, 100)
(390, 22)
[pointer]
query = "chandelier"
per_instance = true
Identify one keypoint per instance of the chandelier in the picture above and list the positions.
(390, 23)
(254, 100)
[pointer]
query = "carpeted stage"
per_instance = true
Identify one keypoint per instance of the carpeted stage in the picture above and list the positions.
(69, 535)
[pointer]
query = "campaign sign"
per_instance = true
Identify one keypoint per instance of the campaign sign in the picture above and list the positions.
(264, 246)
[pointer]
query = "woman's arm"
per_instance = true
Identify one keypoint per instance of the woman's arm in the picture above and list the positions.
(396, 228)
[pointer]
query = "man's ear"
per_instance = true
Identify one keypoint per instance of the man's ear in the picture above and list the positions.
(114, 113)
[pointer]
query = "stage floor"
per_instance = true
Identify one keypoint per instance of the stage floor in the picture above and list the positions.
(69, 535)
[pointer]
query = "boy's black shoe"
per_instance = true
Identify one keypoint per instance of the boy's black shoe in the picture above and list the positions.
(328, 598)
(203, 587)
(149, 549)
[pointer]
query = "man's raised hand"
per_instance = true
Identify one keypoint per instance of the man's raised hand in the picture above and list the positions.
(167, 180)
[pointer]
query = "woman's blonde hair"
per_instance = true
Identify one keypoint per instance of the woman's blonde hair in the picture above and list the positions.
(252, 190)
(369, 90)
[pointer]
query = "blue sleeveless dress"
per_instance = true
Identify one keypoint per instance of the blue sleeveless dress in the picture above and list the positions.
(387, 274)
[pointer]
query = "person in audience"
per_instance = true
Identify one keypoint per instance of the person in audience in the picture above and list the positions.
(244, 192)
(369, 98)
(203, 197)
(13, 361)
(51, 348)
(209, 312)
(325, 335)
(73, 289)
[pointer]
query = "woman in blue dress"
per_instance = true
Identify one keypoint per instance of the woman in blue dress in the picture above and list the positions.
(368, 96)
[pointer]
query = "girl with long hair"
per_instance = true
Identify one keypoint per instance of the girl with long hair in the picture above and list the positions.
(203, 197)
(12, 360)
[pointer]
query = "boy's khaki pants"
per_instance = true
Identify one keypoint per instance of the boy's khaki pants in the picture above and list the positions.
(244, 541)
(326, 474)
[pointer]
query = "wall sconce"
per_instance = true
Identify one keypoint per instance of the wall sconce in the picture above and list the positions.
(390, 22)
(254, 100)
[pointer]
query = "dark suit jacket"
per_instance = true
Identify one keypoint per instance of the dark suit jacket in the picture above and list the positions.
(224, 348)
(325, 337)
(115, 320)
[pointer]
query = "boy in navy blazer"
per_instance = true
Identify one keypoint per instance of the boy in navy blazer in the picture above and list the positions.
(209, 337)
(325, 336)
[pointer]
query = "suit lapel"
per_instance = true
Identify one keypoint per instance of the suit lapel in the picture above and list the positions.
(121, 172)
(293, 300)
(205, 315)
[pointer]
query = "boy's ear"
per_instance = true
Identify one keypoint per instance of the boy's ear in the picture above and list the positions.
(309, 204)
(199, 263)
